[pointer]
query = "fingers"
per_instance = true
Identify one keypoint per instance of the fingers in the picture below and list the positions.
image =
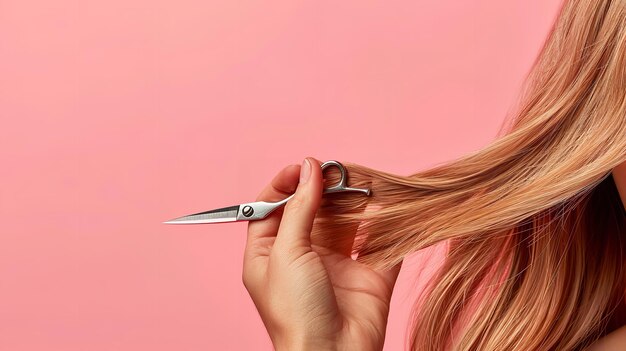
(390, 276)
(283, 185)
(261, 233)
(299, 212)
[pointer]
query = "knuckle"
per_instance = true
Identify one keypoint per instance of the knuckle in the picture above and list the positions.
(296, 251)
(246, 279)
(250, 286)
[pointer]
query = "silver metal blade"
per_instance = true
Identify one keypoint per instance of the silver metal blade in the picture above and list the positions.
(226, 214)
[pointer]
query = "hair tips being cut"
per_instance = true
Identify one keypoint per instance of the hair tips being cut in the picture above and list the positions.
(532, 223)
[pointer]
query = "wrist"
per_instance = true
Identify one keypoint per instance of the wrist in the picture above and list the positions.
(305, 347)
(302, 344)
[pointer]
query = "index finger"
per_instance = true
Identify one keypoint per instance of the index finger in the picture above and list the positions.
(283, 185)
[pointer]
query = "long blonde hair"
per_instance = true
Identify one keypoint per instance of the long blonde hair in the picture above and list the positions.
(533, 222)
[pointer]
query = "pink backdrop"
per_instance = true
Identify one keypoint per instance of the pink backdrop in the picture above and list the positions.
(117, 115)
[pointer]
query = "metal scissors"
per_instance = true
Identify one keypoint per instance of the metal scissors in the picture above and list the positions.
(258, 210)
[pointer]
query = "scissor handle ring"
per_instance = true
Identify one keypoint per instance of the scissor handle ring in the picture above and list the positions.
(341, 186)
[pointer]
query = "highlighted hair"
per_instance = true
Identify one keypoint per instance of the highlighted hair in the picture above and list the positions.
(533, 223)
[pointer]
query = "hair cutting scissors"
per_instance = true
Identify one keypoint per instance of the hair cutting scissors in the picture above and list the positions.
(258, 210)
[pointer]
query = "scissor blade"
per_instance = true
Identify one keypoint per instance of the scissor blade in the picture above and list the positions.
(226, 214)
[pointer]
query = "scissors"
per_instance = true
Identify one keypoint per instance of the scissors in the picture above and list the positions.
(252, 211)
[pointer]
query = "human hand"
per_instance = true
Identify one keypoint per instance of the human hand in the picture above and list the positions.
(310, 296)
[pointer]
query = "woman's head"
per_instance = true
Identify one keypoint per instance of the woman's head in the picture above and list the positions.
(533, 222)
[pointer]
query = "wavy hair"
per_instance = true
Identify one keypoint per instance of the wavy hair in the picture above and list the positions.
(533, 224)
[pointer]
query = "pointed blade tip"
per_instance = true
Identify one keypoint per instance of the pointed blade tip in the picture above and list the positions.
(172, 221)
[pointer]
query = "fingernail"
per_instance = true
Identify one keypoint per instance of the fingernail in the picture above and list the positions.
(305, 171)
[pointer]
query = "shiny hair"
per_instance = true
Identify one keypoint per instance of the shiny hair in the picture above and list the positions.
(533, 224)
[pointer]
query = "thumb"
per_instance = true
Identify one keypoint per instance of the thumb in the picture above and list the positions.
(297, 220)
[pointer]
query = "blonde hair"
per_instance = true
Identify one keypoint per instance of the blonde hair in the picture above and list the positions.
(533, 222)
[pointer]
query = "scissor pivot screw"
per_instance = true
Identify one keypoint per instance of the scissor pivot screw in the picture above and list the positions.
(248, 211)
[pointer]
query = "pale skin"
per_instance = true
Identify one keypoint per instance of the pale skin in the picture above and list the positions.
(312, 297)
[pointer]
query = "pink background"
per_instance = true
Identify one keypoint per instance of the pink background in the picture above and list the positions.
(117, 115)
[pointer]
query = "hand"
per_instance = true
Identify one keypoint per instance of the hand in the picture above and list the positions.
(310, 296)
